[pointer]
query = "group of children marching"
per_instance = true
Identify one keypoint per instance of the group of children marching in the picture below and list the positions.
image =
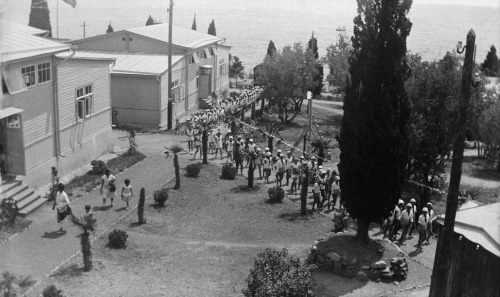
(403, 218)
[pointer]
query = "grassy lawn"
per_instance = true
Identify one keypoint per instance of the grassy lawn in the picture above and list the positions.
(82, 184)
(202, 244)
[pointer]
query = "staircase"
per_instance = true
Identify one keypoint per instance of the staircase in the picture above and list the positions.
(27, 200)
(206, 103)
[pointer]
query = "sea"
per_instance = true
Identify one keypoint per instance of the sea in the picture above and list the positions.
(249, 25)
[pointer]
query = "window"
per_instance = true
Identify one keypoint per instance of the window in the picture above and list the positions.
(207, 53)
(212, 53)
(43, 72)
(14, 80)
(197, 82)
(202, 54)
(193, 59)
(222, 67)
(28, 74)
(84, 102)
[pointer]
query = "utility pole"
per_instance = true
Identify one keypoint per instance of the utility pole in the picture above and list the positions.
(442, 269)
(83, 29)
(169, 106)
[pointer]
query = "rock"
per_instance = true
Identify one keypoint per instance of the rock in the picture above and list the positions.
(379, 265)
(396, 283)
(337, 268)
(314, 249)
(354, 263)
(374, 274)
(334, 257)
(386, 270)
(388, 276)
(349, 273)
(361, 276)
(315, 242)
(365, 267)
(397, 261)
(344, 261)
(380, 251)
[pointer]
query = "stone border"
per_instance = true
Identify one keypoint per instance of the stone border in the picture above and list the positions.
(53, 271)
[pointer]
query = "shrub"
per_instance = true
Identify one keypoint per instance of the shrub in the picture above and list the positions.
(229, 171)
(340, 221)
(118, 239)
(160, 196)
(8, 211)
(276, 194)
(98, 167)
(52, 291)
(274, 273)
(131, 141)
(193, 170)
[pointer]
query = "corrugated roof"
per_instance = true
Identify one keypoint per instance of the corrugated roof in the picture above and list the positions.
(18, 45)
(20, 28)
(180, 36)
(480, 225)
(129, 62)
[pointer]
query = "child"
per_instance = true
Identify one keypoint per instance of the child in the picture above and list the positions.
(112, 192)
(127, 192)
(388, 221)
(88, 214)
(316, 194)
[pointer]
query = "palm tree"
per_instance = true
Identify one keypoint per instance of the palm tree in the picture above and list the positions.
(87, 224)
(11, 284)
(320, 146)
(251, 168)
(175, 149)
(303, 192)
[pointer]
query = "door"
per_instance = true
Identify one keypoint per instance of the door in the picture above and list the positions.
(11, 137)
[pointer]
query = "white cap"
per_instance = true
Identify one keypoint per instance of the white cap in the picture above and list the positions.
(251, 140)
(266, 148)
(229, 131)
(279, 151)
(322, 171)
(313, 158)
(400, 202)
(428, 203)
(413, 200)
(320, 167)
(336, 177)
(425, 209)
(268, 154)
(409, 205)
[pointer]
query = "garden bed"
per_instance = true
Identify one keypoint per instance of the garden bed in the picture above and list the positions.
(7, 231)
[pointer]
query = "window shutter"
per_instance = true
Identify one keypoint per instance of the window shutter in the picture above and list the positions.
(195, 57)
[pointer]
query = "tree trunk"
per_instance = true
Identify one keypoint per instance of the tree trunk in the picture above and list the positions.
(252, 114)
(86, 250)
(177, 172)
(204, 140)
(321, 155)
(270, 143)
(303, 194)
(262, 102)
(362, 232)
(250, 173)
(233, 127)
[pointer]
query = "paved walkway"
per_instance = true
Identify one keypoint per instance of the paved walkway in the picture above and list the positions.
(41, 249)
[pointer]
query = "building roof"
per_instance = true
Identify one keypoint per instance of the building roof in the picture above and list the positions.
(180, 36)
(128, 62)
(20, 28)
(19, 45)
(480, 225)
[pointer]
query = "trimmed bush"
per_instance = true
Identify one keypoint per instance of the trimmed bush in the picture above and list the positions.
(274, 273)
(98, 167)
(140, 206)
(228, 171)
(340, 221)
(276, 194)
(52, 291)
(118, 239)
(193, 170)
(161, 196)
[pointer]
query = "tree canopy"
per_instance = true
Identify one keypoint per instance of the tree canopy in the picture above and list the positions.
(337, 57)
(286, 77)
(313, 46)
(236, 68)
(374, 137)
(193, 27)
(40, 16)
(491, 65)
(211, 28)
(152, 21)
(271, 49)
(110, 29)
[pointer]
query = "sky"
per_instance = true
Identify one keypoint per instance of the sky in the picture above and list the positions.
(494, 3)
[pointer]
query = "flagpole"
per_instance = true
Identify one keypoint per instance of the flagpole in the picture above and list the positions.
(57, 17)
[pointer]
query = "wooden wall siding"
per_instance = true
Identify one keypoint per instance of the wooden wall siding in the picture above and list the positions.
(39, 152)
(178, 73)
(474, 272)
(136, 98)
(148, 45)
(37, 103)
(222, 81)
(80, 132)
(74, 74)
(108, 42)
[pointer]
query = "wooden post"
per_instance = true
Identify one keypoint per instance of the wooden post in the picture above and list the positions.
(169, 92)
(442, 271)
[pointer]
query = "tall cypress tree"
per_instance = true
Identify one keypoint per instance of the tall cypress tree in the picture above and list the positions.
(193, 27)
(110, 29)
(211, 28)
(271, 48)
(313, 46)
(374, 134)
(150, 21)
(491, 64)
(40, 16)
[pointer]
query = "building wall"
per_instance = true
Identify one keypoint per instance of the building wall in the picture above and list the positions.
(37, 103)
(222, 80)
(178, 73)
(137, 99)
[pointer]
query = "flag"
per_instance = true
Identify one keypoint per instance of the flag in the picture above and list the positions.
(71, 2)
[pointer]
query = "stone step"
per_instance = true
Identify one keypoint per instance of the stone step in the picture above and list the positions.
(28, 196)
(7, 185)
(13, 191)
(32, 206)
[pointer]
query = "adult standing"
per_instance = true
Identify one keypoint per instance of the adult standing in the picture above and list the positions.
(415, 217)
(397, 219)
(61, 204)
(423, 220)
(107, 182)
(406, 221)
(288, 166)
(190, 135)
(432, 218)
